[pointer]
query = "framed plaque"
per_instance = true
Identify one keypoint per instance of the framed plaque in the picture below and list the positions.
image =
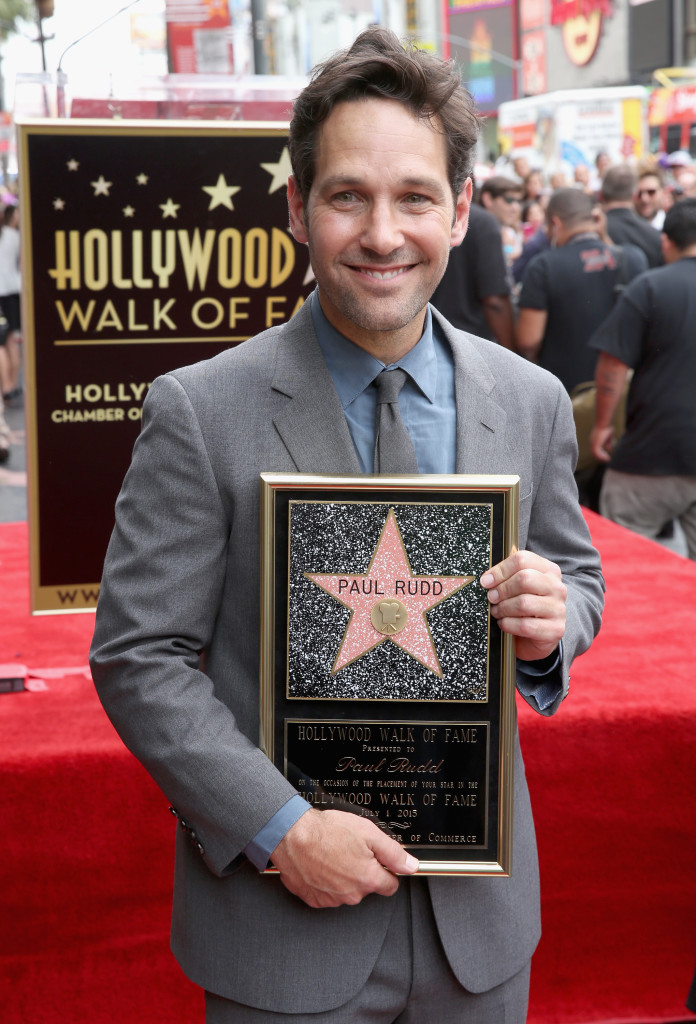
(387, 688)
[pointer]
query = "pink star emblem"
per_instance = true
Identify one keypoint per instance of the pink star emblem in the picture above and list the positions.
(388, 602)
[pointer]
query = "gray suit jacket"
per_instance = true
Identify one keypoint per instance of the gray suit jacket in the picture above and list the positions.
(175, 655)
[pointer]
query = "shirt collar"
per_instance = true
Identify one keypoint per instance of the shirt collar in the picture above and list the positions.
(585, 236)
(353, 369)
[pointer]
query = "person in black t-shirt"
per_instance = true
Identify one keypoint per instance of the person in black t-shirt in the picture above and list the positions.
(474, 293)
(652, 469)
(568, 290)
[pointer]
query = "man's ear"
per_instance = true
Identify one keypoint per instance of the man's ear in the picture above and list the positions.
(669, 249)
(296, 210)
(554, 226)
(461, 214)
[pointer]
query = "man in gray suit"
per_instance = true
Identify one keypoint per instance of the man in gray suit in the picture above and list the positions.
(382, 144)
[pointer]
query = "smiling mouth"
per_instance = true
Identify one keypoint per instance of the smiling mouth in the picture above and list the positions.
(382, 275)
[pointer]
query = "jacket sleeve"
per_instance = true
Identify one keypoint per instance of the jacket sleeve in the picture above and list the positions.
(161, 594)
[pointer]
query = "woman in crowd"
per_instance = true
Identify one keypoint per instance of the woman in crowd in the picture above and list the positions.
(10, 283)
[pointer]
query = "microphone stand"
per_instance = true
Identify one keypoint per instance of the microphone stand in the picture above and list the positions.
(61, 77)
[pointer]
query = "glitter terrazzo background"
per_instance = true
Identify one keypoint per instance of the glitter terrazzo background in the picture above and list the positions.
(448, 539)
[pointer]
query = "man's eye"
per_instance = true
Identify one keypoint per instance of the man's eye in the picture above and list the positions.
(345, 197)
(415, 199)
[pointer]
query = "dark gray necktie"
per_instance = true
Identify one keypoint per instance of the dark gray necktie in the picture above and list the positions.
(394, 451)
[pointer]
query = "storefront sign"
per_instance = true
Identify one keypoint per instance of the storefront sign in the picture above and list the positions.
(480, 34)
(533, 53)
(198, 36)
(532, 14)
(581, 22)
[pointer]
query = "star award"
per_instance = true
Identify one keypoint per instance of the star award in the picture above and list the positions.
(387, 688)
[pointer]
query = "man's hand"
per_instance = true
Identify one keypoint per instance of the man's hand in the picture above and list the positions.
(528, 599)
(610, 375)
(602, 442)
(329, 858)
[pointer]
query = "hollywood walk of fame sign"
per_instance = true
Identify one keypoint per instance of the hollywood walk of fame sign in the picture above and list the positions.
(145, 246)
(387, 688)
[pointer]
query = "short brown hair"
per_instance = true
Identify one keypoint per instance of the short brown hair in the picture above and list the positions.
(571, 206)
(377, 65)
(499, 185)
(652, 172)
(619, 184)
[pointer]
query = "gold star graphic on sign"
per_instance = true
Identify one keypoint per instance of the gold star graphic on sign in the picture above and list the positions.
(58, 204)
(73, 164)
(128, 211)
(142, 179)
(221, 193)
(388, 602)
(101, 186)
(169, 208)
(281, 171)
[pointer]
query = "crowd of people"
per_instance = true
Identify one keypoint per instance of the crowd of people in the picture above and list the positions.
(550, 269)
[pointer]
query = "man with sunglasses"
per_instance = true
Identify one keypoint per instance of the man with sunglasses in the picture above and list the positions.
(502, 197)
(623, 224)
(647, 199)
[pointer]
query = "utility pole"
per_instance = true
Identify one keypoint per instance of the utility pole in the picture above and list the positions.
(259, 29)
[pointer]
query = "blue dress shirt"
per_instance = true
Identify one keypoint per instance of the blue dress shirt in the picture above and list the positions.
(426, 401)
(428, 408)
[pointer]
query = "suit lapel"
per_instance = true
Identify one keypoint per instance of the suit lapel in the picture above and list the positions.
(480, 419)
(313, 426)
(311, 421)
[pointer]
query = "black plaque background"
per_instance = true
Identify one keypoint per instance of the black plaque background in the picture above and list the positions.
(76, 468)
(388, 796)
(397, 711)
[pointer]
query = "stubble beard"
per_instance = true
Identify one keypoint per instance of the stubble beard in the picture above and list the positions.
(372, 316)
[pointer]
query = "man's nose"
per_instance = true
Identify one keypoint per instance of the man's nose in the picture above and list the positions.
(382, 230)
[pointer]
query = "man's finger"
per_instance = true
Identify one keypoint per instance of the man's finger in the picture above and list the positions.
(515, 563)
(544, 582)
(392, 856)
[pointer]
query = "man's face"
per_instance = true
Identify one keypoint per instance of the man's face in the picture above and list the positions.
(648, 197)
(379, 222)
(534, 184)
(582, 174)
(687, 183)
(679, 171)
(602, 163)
(506, 208)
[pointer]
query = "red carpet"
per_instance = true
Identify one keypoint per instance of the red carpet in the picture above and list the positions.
(86, 865)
